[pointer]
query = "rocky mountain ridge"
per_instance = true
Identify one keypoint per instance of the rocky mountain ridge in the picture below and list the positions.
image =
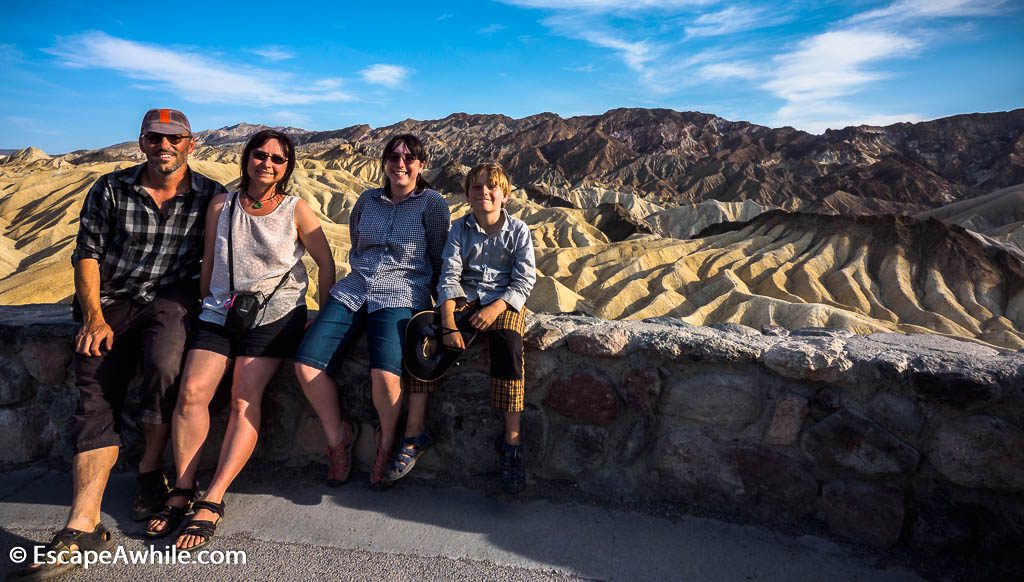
(673, 158)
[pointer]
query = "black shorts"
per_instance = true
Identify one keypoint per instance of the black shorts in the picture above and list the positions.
(274, 340)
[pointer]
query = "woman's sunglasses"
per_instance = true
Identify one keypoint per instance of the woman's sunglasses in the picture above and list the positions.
(262, 156)
(395, 158)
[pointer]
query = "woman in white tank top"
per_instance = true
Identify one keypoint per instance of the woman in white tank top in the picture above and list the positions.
(255, 240)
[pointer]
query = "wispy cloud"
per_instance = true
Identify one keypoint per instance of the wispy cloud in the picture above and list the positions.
(816, 77)
(273, 53)
(491, 29)
(387, 75)
(732, 20)
(904, 10)
(580, 69)
(607, 5)
(444, 16)
(835, 64)
(188, 74)
(289, 118)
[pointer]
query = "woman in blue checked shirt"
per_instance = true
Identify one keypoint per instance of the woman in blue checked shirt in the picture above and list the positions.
(398, 233)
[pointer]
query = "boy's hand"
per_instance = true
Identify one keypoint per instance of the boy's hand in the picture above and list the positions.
(483, 319)
(454, 341)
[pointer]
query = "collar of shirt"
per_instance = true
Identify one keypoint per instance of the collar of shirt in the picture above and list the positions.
(134, 180)
(415, 194)
(506, 223)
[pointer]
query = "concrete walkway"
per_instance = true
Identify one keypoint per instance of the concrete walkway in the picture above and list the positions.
(296, 528)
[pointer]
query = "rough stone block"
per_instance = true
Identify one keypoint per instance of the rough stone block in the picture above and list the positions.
(939, 525)
(979, 451)
(846, 440)
(584, 396)
(693, 468)
(47, 361)
(787, 418)
(810, 358)
(730, 401)
(898, 413)
(865, 512)
(24, 434)
(963, 387)
(576, 451)
(15, 382)
(774, 484)
(544, 335)
(641, 389)
(599, 341)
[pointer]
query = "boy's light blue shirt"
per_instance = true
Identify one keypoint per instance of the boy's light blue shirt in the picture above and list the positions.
(477, 266)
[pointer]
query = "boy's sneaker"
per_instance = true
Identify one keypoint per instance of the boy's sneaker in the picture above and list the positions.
(513, 474)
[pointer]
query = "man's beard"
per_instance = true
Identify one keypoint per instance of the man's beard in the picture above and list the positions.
(168, 167)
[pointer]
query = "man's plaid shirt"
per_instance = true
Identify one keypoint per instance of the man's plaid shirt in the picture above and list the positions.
(139, 250)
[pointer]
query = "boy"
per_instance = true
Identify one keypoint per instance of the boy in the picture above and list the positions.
(489, 266)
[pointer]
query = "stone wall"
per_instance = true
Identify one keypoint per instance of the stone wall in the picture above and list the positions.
(884, 439)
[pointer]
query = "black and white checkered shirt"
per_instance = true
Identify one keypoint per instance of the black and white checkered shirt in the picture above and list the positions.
(139, 250)
(396, 251)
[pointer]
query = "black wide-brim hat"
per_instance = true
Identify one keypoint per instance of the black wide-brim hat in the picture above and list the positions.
(426, 356)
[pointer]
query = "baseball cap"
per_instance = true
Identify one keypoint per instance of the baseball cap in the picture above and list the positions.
(165, 121)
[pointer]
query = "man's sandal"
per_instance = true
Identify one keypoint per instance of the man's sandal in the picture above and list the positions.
(409, 450)
(63, 546)
(202, 528)
(171, 515)
(150, 494)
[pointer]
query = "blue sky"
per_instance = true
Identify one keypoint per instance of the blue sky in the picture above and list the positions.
(80, 75)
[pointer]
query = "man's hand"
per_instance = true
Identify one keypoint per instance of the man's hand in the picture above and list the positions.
(483, 319)
(453, 339)
(93, 335)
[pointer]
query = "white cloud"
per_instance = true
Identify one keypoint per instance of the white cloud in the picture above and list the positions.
(328, 83)
(187, 74)
(731, 20)
(834, 64)
(730, 70)
(491, 29)
(819, 116)
(273, 53)
(444, 16)
(387, 75)
(904, 10)
(580, 69)
(289, 118)
(607, 5)
(635, 54)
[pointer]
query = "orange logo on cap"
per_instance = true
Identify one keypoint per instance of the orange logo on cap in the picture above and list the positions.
(165, 116)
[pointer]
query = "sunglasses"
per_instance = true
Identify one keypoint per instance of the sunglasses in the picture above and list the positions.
(395, 158)
(158, 138)
(262, 156)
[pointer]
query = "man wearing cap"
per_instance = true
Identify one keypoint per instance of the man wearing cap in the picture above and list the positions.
(136, 263)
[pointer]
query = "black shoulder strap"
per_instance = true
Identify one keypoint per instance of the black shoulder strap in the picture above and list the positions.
(231, 264)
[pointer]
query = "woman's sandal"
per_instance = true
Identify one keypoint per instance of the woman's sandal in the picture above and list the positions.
(202, 528)
(172, 516)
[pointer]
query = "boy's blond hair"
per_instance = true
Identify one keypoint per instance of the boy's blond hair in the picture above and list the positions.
(496, 177)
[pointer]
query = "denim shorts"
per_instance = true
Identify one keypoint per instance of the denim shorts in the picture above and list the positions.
(337, 326)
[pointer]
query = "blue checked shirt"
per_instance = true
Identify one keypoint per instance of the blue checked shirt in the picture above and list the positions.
(396, 251)
(138, 249)
(477, 266)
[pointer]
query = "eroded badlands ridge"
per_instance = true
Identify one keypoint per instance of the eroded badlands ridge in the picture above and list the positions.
(629, 188)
